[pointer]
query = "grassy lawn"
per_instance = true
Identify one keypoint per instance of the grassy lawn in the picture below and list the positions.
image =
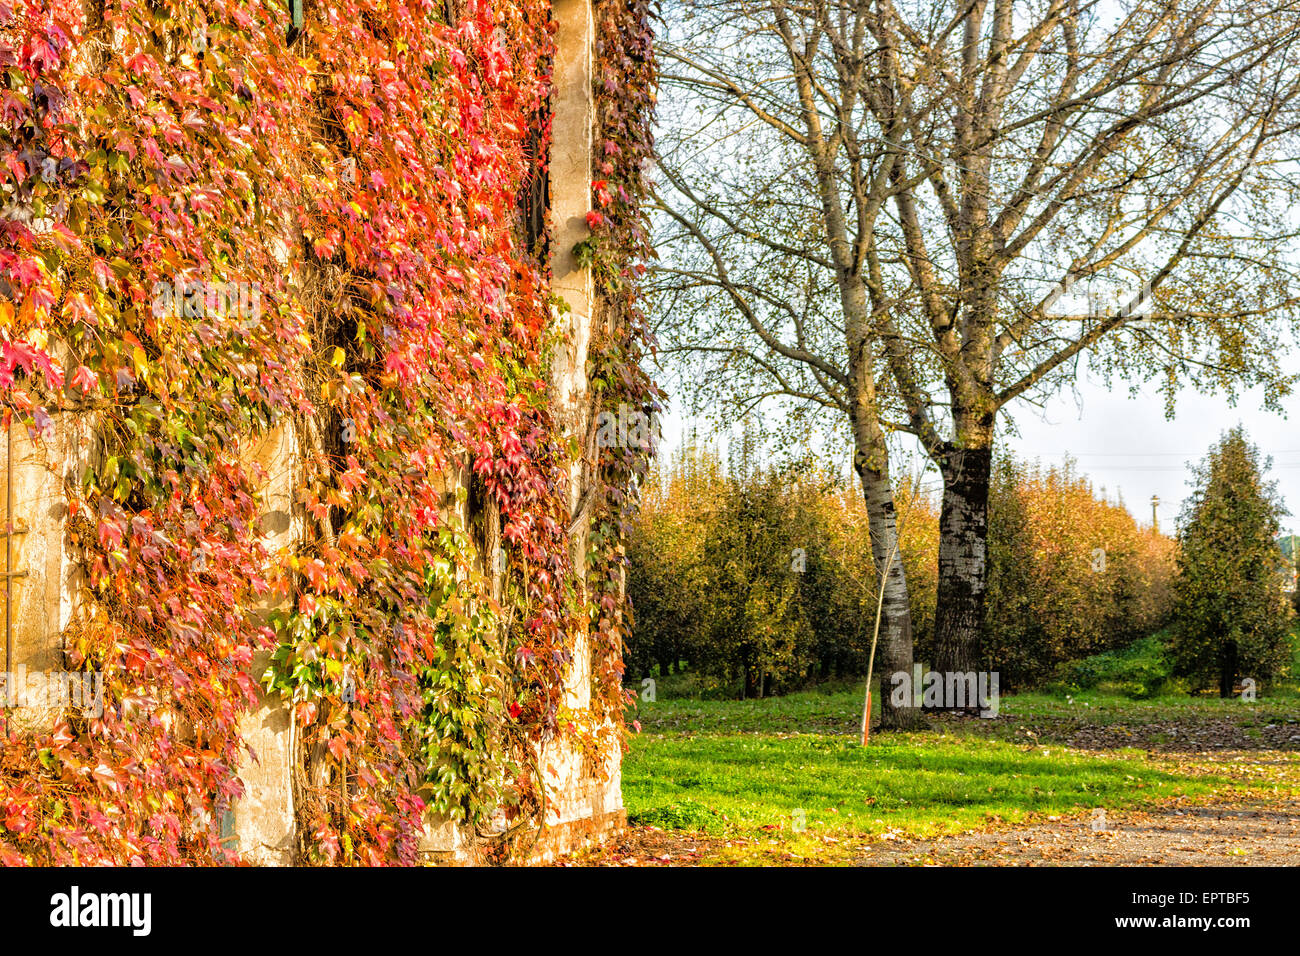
(784, 778)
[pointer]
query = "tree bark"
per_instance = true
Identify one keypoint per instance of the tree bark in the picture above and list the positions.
(963, 565)
(665, 658)
(894, 646)
(751, 689)
(871, 461)
(1227, 669)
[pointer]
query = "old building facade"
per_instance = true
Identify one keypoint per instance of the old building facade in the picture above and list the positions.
(48, 590)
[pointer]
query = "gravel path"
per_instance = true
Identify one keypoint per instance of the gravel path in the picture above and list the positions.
(1236, 833)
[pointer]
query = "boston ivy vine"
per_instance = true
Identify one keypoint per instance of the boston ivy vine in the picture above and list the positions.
(364, 176)
(619, 249)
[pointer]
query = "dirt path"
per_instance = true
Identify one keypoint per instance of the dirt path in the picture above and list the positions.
(1225, 833)
(1235, 833)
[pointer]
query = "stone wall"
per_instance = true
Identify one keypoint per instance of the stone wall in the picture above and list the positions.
(263, 825)
(585, 800)
(48, 582)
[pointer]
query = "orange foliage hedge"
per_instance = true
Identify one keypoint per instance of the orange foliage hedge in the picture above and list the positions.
(1071, 573)
(716, 582)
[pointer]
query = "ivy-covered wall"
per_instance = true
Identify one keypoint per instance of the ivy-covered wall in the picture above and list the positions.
(289, 267)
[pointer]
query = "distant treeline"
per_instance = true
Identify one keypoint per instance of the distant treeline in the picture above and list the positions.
(761, 580)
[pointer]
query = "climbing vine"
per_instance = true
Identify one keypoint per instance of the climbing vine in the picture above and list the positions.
(618, 251)
(358, 182)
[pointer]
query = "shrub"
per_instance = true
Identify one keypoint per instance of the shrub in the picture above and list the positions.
(762, 579)
(1140, 670)
(1071, 574)
(712, 580)
(1231, 618)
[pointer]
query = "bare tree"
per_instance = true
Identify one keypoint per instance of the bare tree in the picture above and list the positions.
(893, 210)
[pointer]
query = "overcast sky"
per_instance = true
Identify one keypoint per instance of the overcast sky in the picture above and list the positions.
(1126, 445)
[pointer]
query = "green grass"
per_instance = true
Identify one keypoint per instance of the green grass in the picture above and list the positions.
(1143, 670)
(1140, 670)
(838, 710)
(745, 771)
(919, 783)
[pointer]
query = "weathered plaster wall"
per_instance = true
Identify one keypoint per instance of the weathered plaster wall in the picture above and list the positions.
(264, 818)
(587, 800)
(46, 598)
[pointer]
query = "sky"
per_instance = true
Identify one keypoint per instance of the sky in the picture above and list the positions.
(1127, 444)
(1123, 444)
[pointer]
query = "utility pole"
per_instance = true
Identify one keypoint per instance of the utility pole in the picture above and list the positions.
(1155, 522)
(1295, 562)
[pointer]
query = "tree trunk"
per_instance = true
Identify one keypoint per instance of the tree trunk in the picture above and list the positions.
(963, 568)
(894, 647)
(871, 461)
(665, 662)
(1227, 669)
